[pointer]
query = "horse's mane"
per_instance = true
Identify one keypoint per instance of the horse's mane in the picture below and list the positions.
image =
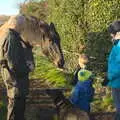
(30, 28)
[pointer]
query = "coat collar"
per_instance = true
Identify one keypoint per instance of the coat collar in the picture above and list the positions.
(116, 41)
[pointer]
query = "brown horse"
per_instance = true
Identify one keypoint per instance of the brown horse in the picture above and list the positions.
(36, 32)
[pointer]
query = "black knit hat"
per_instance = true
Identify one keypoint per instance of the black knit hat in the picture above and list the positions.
(114, 27)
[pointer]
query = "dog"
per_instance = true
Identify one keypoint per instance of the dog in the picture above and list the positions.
(65, 109)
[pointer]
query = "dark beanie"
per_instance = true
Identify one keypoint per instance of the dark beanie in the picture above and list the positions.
(114, 27)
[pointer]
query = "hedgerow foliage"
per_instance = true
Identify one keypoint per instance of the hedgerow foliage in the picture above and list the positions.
(82, 24)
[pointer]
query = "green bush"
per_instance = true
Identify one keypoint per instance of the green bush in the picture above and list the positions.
(82, 25)
(67, 14)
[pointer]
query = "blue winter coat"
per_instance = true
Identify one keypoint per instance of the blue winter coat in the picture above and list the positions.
(82, 95)
(114, 66)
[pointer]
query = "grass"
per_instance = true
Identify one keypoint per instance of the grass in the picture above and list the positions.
(49, 73)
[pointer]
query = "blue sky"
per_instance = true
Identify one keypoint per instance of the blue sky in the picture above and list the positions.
(9, 7)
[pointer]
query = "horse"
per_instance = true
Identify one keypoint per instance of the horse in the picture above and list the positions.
(36, 33)
(30, 32)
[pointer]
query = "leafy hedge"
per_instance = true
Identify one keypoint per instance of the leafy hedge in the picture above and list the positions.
(82, 25)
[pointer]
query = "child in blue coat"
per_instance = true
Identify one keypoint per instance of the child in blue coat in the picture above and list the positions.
(83, 92)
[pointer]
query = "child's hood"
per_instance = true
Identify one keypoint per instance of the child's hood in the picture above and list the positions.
(84, 75)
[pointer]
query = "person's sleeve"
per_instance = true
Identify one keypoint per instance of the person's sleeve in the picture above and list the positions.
(115, 70)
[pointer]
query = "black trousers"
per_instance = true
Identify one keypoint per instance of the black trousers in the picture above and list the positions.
(16, 108)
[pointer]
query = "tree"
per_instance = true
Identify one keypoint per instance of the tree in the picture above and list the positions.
(37, 8)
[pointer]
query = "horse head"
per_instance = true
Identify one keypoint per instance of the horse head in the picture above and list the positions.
(51, 41)
(39, 33)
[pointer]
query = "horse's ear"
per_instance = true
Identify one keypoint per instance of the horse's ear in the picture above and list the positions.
(52, 26)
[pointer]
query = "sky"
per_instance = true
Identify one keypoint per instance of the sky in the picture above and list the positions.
(9, 7)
